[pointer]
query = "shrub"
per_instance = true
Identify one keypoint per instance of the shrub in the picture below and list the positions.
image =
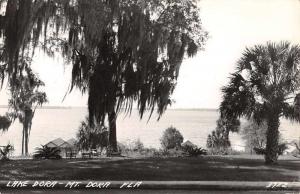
(156, 154)
(281, 148)
(138, 146)
(217, 141)
(149, 151)
(92, 137)
(235, 152)
(254, 135)
(261, 151)
(46, 152)
(121, 147)
(171, 138)
(218, 151)
(6, 151)
(163, 153)
(194, 150)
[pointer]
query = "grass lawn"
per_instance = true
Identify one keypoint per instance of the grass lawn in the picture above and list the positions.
(210, 168)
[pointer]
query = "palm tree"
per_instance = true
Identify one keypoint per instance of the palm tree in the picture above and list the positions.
(266, 86)
(5, 151)
(25, 98)
(46, 152)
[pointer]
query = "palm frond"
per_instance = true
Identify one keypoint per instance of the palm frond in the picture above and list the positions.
(273, 76)
(46, 152)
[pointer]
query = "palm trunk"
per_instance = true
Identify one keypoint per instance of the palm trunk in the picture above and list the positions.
(26, 142)
(23, 137)
(27, 125)
(271, 154)
(112, 131)
(227, 142)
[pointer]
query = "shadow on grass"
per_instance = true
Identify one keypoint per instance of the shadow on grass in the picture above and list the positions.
(200, 168)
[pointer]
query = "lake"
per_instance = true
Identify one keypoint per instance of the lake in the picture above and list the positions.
(194, 124)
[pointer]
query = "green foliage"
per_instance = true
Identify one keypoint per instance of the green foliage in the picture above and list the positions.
(265, 87)
(261, 151)
(194, 151)
(161, 153)
(91, 137)
(138, 146)
(46, 152)
(22, 24)
(255, 134)
(267, 80)
(227, 125)
(297, 147)
(172, 138)
(136, 149)
(218, 141)
(133, 53)
(5, 123)
(6, 151)
(26, 96)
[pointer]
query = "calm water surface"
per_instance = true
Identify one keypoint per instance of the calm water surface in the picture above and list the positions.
(194, 125)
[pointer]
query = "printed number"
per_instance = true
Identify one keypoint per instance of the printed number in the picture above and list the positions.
(277, 185)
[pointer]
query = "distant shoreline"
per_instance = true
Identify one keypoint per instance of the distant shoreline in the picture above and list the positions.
(74, 107)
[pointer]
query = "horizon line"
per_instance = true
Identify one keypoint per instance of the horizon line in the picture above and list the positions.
(69, 107)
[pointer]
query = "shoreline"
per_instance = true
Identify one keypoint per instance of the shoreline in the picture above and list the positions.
(85, 107)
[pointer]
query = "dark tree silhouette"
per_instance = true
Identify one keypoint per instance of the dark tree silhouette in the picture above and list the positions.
(45, 152)
(5, 123)
(171, 138)
(22, 23)
(266, 86)
(25, 98)
(122, 51)
(254, 134)
(133, 54)
(91, 137)
(226, 125)
(219, 138)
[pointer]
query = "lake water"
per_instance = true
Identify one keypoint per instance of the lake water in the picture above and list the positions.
(195, 125)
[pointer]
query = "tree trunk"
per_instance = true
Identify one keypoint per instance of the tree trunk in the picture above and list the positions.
(112, 131)
(26, 128)
(26, 142)
(271, 154)
(23, 137)
(227, 142)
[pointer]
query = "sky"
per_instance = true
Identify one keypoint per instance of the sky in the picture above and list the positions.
(232, 25)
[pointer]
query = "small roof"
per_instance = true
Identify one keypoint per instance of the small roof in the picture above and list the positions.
(51, 145)
(58, 142)
(187, 143)
(65, 145)
(72, 141)
(291, 148)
